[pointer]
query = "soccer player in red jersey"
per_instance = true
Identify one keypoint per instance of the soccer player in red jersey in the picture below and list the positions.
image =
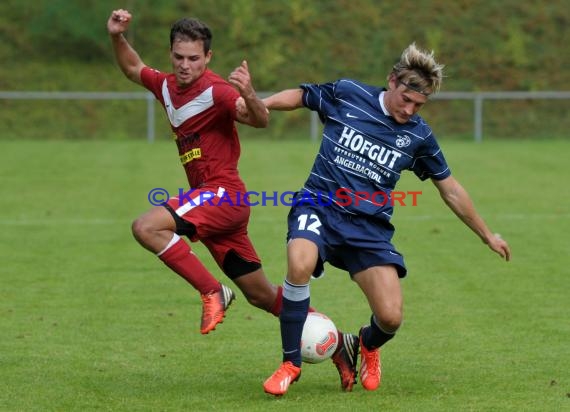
(201, 108)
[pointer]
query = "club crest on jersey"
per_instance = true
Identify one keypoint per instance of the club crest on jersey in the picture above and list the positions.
(403, 141)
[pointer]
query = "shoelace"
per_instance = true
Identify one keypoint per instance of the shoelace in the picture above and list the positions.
(210, 309)
(285, 370)
(372, 362)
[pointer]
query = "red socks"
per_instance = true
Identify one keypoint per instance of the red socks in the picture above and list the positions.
(180, 259)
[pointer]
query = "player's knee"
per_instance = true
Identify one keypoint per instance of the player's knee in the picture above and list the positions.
(391, 320)
(299, 273)
(302, 261)
(141, 229)
(136, 228)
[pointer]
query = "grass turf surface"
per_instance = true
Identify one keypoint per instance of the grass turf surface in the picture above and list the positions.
(91, 321)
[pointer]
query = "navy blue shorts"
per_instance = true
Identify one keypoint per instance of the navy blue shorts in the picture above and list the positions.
(349, 242)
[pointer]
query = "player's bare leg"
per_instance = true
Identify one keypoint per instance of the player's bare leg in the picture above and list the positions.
(257, 289)
(155, 231)
(381, 286)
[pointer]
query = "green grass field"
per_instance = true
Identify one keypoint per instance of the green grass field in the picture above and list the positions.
(90, 321)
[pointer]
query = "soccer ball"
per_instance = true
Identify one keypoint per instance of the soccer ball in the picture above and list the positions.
(319, 339)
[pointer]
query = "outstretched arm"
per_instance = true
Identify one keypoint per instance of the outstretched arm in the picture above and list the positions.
(458, 200)
(290, 99)
(127, 58)
(250, 109)
(285, 100)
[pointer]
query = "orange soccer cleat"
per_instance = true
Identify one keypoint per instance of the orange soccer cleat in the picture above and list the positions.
(214, 307)
(278, 383)
(345, 360)
(370, 367)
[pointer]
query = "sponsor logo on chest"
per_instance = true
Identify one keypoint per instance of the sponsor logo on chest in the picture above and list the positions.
(373, 151)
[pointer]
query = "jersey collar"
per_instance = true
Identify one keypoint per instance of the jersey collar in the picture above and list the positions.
(381, 100)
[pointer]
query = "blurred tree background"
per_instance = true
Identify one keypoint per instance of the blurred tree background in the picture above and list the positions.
(503, 45)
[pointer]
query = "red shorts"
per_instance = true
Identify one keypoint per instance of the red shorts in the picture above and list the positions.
(220, 220)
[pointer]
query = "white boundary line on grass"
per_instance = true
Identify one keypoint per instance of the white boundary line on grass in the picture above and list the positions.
(508, 216)
(102, 221)
(57, 222)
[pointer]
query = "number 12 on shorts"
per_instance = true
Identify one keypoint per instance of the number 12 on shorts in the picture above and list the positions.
(309, 222)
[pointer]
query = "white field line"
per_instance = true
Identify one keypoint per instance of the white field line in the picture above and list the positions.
(64, 222)
(121, 222)
(486, 216)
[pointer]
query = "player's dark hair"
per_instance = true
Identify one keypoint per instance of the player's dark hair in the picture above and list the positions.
(191, 29)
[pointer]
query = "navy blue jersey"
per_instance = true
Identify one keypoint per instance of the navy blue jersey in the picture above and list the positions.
(364, 150)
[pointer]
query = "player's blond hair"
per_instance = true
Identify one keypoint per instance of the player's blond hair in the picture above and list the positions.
(418, 70)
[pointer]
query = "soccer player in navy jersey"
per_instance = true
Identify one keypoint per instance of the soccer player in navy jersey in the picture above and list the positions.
(341, 216)
(201, 108)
